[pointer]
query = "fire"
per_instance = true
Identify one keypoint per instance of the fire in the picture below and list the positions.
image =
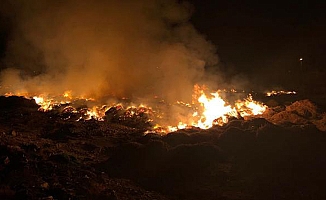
(181, 125)
(214, 108)
(274, 93)
(46, 103)
(206, 109)
(217, 111)
(67, 94)
(249, 107)
(38, 100)
(211, 109)
(95, 112)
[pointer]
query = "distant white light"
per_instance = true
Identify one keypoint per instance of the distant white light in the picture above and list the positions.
(301, 59)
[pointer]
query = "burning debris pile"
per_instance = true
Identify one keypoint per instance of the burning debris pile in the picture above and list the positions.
(107, 100)
(205, 110)
(47, 155)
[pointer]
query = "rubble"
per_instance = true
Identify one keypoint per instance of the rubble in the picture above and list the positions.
(46, 156)
(302, 112)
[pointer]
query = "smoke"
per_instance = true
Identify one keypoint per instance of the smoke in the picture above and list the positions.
(131, 48)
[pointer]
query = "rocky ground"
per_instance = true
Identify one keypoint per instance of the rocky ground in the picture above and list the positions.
(44, 155)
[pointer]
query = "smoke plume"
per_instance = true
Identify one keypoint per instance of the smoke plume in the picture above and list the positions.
(112, 48)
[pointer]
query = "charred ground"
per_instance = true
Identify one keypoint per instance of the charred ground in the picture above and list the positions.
(44, 155)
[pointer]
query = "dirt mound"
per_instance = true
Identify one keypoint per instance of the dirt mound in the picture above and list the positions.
(47, 156)
(302, 112)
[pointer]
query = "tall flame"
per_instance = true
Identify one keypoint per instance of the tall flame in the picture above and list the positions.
(214, 108)
(211, 109)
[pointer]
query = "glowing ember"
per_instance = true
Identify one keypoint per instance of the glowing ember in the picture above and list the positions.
(249, 107)
(67, 94)
(274, 93)
(95, 113)
(179, 126)
(207, 109)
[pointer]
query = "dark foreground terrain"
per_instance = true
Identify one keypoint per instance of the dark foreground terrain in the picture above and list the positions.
(49, 156)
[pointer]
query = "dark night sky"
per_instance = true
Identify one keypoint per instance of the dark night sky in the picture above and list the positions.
(267, 37)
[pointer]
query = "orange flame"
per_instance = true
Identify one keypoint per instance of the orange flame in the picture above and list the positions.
(213, 110)
(205, 111)
(274, 93)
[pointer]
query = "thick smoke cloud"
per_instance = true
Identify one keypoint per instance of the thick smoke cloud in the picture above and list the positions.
(132, 48)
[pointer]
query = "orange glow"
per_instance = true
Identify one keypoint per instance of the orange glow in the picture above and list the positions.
(206, 109)
(249, 107)
(274, 93)
(211, 109)
(214, 108)
(67, 94)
